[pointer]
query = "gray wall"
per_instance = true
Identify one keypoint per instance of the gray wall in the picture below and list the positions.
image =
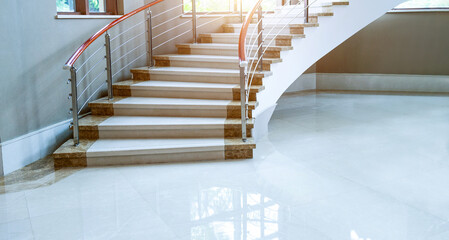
(397, 43)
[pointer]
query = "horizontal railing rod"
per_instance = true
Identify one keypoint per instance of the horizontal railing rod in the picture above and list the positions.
(90, 70)
(129, 64)
(93, 94)
(126, 54)
(91, 56)
(129, 40)
(127, 30)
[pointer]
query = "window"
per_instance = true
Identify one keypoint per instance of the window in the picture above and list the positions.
(414, 4)
(85, 7)
(225, 6)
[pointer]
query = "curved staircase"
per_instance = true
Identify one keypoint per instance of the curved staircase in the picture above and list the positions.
(187, 107)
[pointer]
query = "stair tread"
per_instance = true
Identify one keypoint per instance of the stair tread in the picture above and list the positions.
(153, 101)
(153, 121)
(188, 86)
(237, 25)
(197, 71)
(228, 46)
(124, 147)
(209, 58)
(280, 36)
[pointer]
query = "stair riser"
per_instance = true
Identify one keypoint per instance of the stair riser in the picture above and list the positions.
(227, 40)
(154, 158)
(224, 52)
(168, 112)
(232, 132)
(203, 64)
(191, 78)
(231, 94)
(277, 30)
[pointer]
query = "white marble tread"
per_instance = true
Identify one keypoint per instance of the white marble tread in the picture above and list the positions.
(127, 147)
(222, 46)
(208, 58)
(186, 86)
(144, 123)
(194, 71)
(143, 102)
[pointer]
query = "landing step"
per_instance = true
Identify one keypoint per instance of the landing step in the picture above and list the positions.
(209, 58)
(174, 89)
(113, 127)
(225, 46)
(145, 151)
(171, 107)
(190, 74)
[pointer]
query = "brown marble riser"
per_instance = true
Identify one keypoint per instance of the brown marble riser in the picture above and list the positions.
(224, 52)
(168, 63)
(229, 132)
(184, 94)
(141, 76)
(69, 156)
(231, 112)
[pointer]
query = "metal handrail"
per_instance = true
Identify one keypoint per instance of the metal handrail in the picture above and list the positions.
(94, 37)
(247, 73)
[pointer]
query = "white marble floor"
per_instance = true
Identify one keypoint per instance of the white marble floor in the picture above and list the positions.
(334, 166)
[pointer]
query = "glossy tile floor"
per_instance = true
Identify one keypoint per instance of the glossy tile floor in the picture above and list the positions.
(334, 166)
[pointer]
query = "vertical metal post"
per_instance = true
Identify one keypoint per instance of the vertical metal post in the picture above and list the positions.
(149, 25)
(241, 11)
(306, 11)
(109, 65)
(194, 21)
(260, 40)
(243, 66)
(74, 109)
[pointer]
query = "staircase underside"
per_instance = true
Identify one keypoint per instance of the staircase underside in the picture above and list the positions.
(187, 107)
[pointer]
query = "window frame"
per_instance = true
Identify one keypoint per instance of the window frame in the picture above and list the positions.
(82, 8)
(419, 8)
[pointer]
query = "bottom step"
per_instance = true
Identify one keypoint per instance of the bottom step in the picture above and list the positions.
(106, 152)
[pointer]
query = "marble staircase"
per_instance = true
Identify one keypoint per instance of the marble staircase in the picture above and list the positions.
(186, 108)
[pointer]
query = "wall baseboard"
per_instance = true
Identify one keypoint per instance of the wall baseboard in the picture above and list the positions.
(383, 82)
(26, 149)
(307, 81)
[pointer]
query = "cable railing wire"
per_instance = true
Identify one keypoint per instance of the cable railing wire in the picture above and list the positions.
(91, 56)
(127, 30)
(90, 70)
(129, 40)
(126, 54)
(93, 94)
(129, 64)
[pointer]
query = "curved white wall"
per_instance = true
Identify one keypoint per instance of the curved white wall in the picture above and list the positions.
(333, 31)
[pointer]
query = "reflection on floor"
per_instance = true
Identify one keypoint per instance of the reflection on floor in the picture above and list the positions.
(334, 166)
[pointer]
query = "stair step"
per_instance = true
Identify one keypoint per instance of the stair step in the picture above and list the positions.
(226, 49)
(102, 127)
(173, 89)
(172, 107)
(189, 74)
(105, 152)
(206, 61)
(273, 25)
(233, 38)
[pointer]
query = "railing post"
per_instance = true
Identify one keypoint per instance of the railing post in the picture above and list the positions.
(194, 21)
(241, 11)
(260, 40)
(149, 26)
(109, 65)
(74, 109)
(243, 109)
(306, 11)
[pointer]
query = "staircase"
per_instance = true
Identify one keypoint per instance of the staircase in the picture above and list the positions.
(187, 107)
